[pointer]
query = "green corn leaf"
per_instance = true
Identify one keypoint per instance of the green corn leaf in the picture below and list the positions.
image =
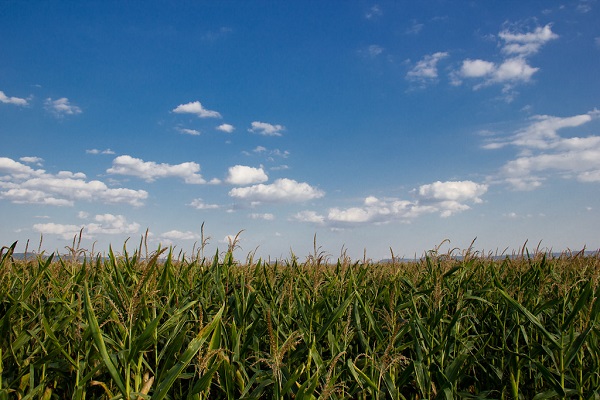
(192, 349)
(334, 317)
(532, 318)
(99, 341)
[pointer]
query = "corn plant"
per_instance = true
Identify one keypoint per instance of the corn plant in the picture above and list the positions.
(167, 326)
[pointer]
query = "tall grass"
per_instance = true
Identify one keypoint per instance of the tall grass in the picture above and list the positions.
(165, 326)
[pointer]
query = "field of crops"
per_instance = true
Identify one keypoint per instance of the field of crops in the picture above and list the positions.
(168, 326)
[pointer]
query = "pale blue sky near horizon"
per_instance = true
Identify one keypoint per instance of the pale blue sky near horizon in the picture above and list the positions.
(372, 124)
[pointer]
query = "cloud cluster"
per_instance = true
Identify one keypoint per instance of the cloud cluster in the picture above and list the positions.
(197, 109)
(445, 198)
(19, 183)
(199, 204)
(105, 224)
(150, 171)
(243, 175)
(227, 128)
(32, 160)
(282, 190)
(61, 107)
(266, 129)
(514, 68)
(543, 152)
(187, 131)
(175, 235)
(17, 101)
(264, 216)
(426, 69)
(96, 151)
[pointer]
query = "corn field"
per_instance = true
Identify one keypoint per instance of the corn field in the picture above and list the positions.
(167, 326)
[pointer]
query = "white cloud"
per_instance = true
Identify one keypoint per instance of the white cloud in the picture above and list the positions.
(12, 100)
(374, 12)
(150, 171)
(426, 69)
(544, 152)
(26, 185)
(309, 216)
(106, 224)
(512, 70)
(61, 107)
(32, 160)
(196, 108)
(477, 68)
(266, 129)
(371, 51)
(227, 128)
(31, 196)
(453, 191)
(65, 231)
(175, 235)
(17, 170)
(96, 151)
(110, 224)
(186, 131)
(584, 6)
(282, 190)
(243, 175)
(524, 44)
(201, 205)
(509, 72)
(444, 198)
(265, 216)
(415, 28)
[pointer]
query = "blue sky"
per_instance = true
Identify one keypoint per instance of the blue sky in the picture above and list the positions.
(373, 125)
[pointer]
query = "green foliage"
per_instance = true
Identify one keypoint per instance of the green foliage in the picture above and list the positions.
(168, 327)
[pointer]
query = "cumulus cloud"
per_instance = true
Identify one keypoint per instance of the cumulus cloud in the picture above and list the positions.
(282, 190)
(524, 44)
(477, 68)
(32, 196)
(453, 191)
(309, 216)
(65, 231)
(197, 109)
(266, 129)
(514, 69)
(444, 198)
(191, 132)
(265, 216)
(61, 107)
(175, 235)
(509, 72)
(17, 101)
(243, 175)
(227, 128)
(25, 185)
(426, 69)
(199, 204)
(105, 224)
(150, 171)
(32, 160)
(544, 152)
(96, 151)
